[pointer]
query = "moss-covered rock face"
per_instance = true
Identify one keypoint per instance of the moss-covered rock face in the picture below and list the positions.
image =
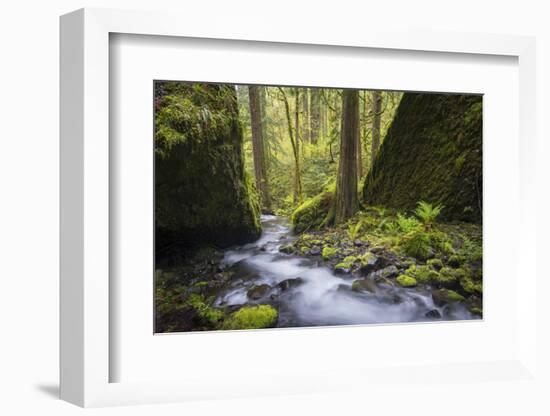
(202, 193)
(432, 152)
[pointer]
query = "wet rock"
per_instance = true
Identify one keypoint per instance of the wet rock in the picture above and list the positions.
(364, 285)
(290, 283)
(444, 296)
(357, 243)
(385, 273)
(433, 314)
(369, 265)
(258, 292)
(287, 248)
(391, 298)
(342, 269)
(262, 248)
(315, 251)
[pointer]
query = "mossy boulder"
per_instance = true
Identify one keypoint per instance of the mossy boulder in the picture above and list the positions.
(202, 194)
(406, 281)
(423, 274)
(364, 285)
(432, 152)
(444, 296)
(251, 317)
(311, 214)
(329, 252)
(435, 264)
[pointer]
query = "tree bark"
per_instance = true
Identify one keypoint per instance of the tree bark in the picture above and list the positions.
(306, 129)
(346, 199)
(295, 150)
(376, 110)
(258, 146)
(315, 114)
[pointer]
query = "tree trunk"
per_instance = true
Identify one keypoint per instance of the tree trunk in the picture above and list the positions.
(376, 110)
(315, 114)
(346, 200)
(258, 146)
(295, 151)
(306, 128)
(267, 148)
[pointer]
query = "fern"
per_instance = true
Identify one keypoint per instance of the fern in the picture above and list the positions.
(407, 224)
(427, 213)
(354, 230)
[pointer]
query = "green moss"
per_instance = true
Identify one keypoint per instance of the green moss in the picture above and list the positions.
(454, 261)
(446, 277)
(304, 249)
(364, 258)
(311, 214)
(329, 252)
(470, 286)
(251, 317)
(436, 264)
(476, 310)
(452, 296)
(406, 281)
(423, 274)
(208, 314)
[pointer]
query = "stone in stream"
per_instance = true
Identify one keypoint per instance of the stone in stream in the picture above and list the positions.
(364, 285)
(287, 249)
(289, 283)
(385, 273)
(315, 251)
(258, 292)
(434, 314)
(444, 296)
(369, 264)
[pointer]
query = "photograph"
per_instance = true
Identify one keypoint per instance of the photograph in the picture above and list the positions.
(294, 206)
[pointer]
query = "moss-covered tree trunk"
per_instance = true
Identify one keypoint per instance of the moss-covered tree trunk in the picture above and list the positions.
(258, 146)
(346, 200)
(202, 194)
(432, 152)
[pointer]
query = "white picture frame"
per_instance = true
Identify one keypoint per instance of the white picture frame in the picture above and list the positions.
(85, 220)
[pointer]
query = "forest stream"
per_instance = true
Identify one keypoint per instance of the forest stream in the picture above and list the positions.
(307, 293)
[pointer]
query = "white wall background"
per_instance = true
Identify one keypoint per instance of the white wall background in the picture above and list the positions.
(29, 206)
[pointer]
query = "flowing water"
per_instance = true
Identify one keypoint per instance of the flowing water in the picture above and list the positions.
(322, 297)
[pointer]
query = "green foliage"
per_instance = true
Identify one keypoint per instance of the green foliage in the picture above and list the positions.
(427, 212)
(407, 224)
(251, 317)
(207, 313)
(406, 281)
(354, 229)
(424, 245)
